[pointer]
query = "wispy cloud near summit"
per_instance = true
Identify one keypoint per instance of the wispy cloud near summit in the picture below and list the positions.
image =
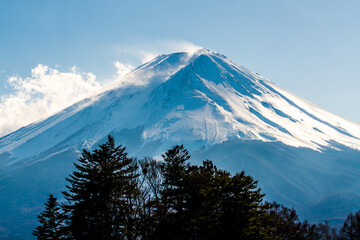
(145, 51)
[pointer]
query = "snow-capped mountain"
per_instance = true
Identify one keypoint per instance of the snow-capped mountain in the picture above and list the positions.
(302, 155)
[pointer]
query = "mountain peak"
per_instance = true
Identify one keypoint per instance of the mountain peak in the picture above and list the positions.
(211, 99)
(200, 96)
(204, 51)
(207, 53)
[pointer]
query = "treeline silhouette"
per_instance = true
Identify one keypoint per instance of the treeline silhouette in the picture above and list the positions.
(112, 196)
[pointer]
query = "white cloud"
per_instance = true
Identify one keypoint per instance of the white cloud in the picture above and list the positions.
(122, 69)
(46, 92)
(141, 55)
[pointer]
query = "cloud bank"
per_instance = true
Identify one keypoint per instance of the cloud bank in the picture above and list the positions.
(46, 92)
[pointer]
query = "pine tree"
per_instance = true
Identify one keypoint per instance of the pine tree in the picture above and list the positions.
(204, 205)
(175, 169)
(207, 203)
(243, 215)
(351, 227)
(173, 195)
(102, 195)
(51, 220)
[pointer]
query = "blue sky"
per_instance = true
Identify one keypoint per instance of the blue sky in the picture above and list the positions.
(311, 48)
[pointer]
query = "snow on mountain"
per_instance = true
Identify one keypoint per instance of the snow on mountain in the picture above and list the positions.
(203, 96)
(217, 109)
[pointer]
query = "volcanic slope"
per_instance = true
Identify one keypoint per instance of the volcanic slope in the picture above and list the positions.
(303, 156)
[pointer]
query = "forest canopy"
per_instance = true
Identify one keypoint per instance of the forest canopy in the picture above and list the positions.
(113, 196)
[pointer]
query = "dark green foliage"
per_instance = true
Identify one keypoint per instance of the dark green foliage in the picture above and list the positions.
(286, 222)
(207, 203)
(288, 227)
(243, 213)
(102, 195)
(223, 205)
(51, 220)
(351, 227)
(204, 208)
(326, 232)
(173, 195)
(175, 169)
(110, 197)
